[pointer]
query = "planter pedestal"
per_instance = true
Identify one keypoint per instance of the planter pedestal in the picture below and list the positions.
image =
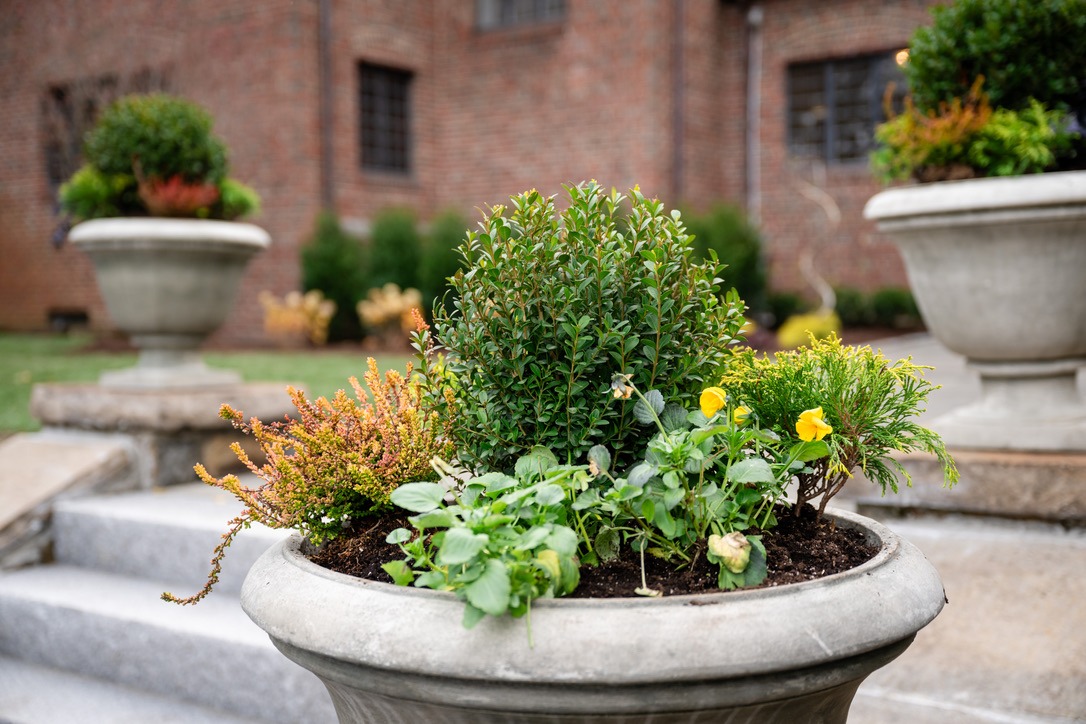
(168, 284)
(795, 653)
(998, 267)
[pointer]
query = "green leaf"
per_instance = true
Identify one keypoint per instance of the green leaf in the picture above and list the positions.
(588, 499)
(460, 546)
(400, 535)
(533, 537)
(641, 474)
(607, 544)
(755, 572)
(563, 540)
(472, 616)
(549, 494)
(433, 519)
(400, 572)
(490, 592)
(418, 497)
(673, 417)
(538, 461)
(751, 470)
(808, 451)
(648, 408)
(431, 579)
(672, 497)
(600, 457)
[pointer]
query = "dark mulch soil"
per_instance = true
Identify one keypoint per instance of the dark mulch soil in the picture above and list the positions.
(798, 549)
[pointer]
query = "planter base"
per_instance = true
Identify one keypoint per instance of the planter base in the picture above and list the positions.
(169, 370)
(1024, 406)
(818, 695)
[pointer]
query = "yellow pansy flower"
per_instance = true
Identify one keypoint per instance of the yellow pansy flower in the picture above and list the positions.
(712, 401)
(740, 414)
(811, 426)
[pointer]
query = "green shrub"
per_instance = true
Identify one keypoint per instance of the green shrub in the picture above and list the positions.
(155, 154)
(395, 249)
(441, 260)
(552, 305)
(895, 308)
(853, 307)
(159, 136)
(738, 246)
(1025, 50)
(333, 263)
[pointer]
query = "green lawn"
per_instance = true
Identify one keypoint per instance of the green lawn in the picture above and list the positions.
(27, 359)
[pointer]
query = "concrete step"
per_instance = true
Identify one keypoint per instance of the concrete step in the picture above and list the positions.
(166, 534)
(115, 628)
(32, 694)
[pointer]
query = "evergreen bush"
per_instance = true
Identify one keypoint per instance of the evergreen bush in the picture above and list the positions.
(553, 305)
(737, 244)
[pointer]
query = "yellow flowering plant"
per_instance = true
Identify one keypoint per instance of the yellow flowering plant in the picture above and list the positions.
(852, 400)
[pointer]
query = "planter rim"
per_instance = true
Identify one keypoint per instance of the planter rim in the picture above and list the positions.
(163, 229)
(996, 194)
(598, 641)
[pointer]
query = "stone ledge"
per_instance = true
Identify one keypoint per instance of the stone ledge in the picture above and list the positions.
(88, 406)
(1032, 486)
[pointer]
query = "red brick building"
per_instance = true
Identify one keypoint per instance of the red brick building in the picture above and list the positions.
(364, 104)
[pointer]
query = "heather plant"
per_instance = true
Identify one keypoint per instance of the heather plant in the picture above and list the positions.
(551, 304)
(863, 407)
(335, 464)
(155, 155)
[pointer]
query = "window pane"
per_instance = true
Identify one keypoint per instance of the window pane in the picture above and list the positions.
(834, 106)
(505, 13)
(385, 118)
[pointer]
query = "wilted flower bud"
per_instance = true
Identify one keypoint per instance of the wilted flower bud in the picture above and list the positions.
(733, 549)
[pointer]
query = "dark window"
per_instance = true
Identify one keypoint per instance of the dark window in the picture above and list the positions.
(834, 106)
(504, 13)
(385, 99)
(69, 110)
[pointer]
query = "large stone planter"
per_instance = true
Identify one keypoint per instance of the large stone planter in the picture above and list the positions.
(792, 654)
(998, 267)
(168, 284)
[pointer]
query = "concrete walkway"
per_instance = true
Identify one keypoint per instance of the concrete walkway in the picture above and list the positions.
(1010, 646)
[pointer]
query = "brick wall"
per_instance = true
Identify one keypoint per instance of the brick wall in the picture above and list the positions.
(494, 112)
(794, 193)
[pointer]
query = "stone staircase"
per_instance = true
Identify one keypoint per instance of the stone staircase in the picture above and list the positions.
(86, 638)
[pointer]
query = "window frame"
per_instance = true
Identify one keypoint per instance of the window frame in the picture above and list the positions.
(832, 68)
(491, 15)
(383, 146)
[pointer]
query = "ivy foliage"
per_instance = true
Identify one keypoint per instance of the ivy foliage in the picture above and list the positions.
(551, 305)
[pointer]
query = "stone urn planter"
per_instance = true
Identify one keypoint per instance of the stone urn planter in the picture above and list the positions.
(791, 654)
(998, 267)
(168, 284)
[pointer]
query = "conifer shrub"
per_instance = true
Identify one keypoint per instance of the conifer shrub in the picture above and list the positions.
(551, 305)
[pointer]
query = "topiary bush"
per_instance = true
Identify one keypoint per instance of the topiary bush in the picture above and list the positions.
(1024, 50)
(552, 305)
(155, 155)
(725, 231)
(333, 262)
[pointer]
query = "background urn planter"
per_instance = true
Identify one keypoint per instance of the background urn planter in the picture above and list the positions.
(791, 654)
(168, 284)
(998, 267)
